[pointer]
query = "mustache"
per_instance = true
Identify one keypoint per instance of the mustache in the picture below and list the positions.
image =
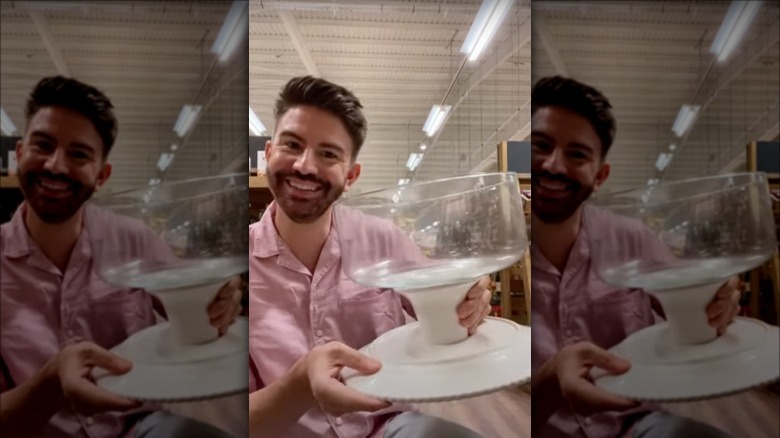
(303, 177)
(552, 177)
(53, 176)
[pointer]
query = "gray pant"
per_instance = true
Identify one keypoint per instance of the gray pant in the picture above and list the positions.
(417, 425)
(661, 424)
(163, 424)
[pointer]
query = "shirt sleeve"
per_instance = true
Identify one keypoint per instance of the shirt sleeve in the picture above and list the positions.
(6, 384)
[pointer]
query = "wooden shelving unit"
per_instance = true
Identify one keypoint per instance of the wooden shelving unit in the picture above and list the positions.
(9, 181)
(771, 269)
(517, 277)
(259, 196)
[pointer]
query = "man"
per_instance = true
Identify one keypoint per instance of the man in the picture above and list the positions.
(57, 318)
(306, 318)
(576, 315)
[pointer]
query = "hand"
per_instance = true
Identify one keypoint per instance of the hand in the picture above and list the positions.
(473, 310)
(323, 368)
(72, 368)
(571, 367)
(725, 306)
(226, 307)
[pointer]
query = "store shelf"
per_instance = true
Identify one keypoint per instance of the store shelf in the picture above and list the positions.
(258, 182)
(9, 181)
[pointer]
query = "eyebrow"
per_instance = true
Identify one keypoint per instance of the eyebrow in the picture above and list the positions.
(325, 144)
(75, 145)
(574, 145)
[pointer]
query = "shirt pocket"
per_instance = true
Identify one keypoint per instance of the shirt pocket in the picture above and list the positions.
(617, 313)
(115, 314)
(367, 313)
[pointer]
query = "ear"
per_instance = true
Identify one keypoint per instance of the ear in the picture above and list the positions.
(18, 151)
(601, 175)
(353, 175)
(103, 176)
(268, 147)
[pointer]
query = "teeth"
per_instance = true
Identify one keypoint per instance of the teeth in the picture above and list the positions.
(308, 187)
(54, 185)
(552, 185)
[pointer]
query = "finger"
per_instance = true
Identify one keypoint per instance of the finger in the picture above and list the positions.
(473, 327)
(586, 398)
(727, 289)
(87, 398)
(475, 318)
(478, 288)
(593, 356)
(362, 363)
(335, 397)
(228, 290)
(96, 356)
(217, 308)
(715, 309)
(467, 308)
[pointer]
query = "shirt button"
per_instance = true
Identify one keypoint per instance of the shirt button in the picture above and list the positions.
(319, 333)
(338, 421)
(567, 333)
(90, 421)
(588, 421)
(70, 333)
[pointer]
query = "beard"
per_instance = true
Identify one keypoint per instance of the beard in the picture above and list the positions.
(303, 210)
(554, 210)
(53, 209)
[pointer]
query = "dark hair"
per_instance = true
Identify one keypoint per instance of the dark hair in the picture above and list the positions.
(79, 97)
(581, 99)
(327, 96)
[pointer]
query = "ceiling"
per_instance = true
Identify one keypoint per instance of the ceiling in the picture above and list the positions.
(650, 58)
(150, 58)
(400, 58)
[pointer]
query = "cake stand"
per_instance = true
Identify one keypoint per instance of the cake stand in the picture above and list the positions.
(686, 240)
(180, 242)
(432, 242)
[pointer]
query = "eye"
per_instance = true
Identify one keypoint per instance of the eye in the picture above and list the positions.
(540, 145)
(330, 155)
(43, 145)
(80, 155)
(578, 155)
(291, 144)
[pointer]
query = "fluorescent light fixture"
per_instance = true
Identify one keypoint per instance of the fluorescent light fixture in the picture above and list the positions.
(187, 117)
(174, 146)
(234, 29)
(436, 119)
(6, 125)
(685, 119)
(652, 181)
(423, 146)
(486, 23)
(403, 181)
(255, 125)
(672, 147)
(662, 161)
(164, 161)
(733, 28)
(154, 181)
(414, 160)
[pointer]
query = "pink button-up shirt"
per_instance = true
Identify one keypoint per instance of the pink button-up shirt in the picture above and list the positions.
(575, 305)
(292, 310)
(42, 310)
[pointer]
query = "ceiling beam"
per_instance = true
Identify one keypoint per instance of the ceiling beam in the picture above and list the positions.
(291, 26)
(42, 26)
(548, 42)
(502, 53)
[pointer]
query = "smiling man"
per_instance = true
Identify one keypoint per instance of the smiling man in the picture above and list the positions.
(577, 317)
(306, 317)
(57, 318)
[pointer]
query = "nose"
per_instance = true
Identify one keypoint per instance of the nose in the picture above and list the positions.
(554, 162)
(56, 162)
(306, 162)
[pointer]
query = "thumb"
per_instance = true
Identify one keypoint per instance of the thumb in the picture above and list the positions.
(358, 361)
(600, 358)
(110, 362)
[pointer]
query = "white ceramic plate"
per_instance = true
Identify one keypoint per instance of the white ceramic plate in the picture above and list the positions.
(169, 373)
(497, 356)
(746, 356)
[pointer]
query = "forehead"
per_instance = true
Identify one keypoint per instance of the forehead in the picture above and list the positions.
(65, 125)
(315, 126)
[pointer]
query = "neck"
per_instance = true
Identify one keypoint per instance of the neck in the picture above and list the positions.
(55, 240)
(555, 241)
(305, 240)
